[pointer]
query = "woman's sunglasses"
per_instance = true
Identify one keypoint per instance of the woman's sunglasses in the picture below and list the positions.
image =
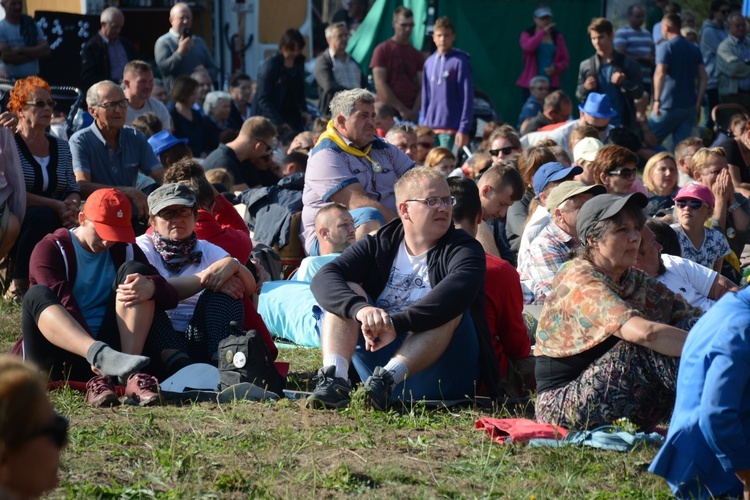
(505, 151)
(693, 204)
(57, 431)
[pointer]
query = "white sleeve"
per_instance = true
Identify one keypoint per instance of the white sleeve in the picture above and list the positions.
(701, 277)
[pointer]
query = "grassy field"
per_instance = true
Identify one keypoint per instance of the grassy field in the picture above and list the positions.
(280, 449)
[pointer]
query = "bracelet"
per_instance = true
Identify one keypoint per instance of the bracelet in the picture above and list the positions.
(239, 265)
(734, 206)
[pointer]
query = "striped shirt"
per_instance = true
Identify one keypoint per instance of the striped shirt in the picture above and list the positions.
(546, 254)
(635, 44)
(56, 179)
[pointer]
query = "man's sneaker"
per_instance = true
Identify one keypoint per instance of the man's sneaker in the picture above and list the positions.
(331, 391)
(100, 391)
(143, 389)
(379, 387)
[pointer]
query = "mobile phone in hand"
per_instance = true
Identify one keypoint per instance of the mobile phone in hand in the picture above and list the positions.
(187, 33)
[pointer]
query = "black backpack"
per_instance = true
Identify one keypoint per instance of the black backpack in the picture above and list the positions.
(246, 358)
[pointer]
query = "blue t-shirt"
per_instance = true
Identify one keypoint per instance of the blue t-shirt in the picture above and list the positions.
(545, 55)
(613, 91)
(682, 59)
(96, 273)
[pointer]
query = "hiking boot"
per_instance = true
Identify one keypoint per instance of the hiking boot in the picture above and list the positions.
(143, 389)
(100, 391)
(331, 391)
(379, 387)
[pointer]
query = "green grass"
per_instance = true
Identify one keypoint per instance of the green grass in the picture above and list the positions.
(281, 449)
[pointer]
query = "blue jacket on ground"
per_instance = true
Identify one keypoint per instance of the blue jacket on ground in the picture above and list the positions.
(709, 436)
(448, 91)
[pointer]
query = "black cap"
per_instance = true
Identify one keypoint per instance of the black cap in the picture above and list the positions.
(603, 207)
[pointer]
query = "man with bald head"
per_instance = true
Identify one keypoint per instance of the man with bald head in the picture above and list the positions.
(109, 154)
(179, 52)
(105, 55)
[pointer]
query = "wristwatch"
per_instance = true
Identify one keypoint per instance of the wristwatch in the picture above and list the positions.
(734, 206)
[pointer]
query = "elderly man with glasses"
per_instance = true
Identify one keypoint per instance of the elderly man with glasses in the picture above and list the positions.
(406, 307)
(109, 154)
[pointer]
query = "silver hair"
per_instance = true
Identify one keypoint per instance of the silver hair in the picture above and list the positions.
(538, 79)
(343, 102)
(403, 128)
(565, 206)
(109, 14)
(212, 98)
(333, 27)
(92, 94)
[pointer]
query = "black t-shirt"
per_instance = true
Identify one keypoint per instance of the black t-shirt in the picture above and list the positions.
(734, 157)
(552, 373)
(243, 172)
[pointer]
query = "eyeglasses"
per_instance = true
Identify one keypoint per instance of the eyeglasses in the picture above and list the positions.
(57, 431)
(693, 204)
(406, 25)
(182, 213)
(505, 151)
(109, 106)
(433, 201)
(725, 11)
(541, 89)
(42, 104)
(626, 173)
(426, 144)
(268, 146)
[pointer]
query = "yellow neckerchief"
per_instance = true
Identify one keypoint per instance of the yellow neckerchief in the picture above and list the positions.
(331, 134)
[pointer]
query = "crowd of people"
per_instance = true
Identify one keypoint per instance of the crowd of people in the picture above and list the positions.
(624, 227)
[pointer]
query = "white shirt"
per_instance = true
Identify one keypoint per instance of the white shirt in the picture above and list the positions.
(151, 105)
(408, 282)
(181, 315)
(692, 281)
(538, 221)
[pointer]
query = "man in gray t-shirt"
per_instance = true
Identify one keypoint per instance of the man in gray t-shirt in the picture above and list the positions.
(22, 42)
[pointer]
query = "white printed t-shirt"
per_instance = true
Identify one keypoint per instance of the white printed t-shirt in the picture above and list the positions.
(692, 281)
(408, 282)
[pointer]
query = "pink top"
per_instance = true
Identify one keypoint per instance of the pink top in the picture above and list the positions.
(529, 44)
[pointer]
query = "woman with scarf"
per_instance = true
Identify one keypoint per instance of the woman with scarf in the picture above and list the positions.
(210, 283)
(610, 336)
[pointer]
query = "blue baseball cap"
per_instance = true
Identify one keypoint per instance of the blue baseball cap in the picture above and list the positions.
(598, 106)
(551, 172)
(161, 141)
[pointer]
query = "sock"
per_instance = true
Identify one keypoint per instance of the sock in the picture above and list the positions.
(399, 370)
(341, 364)
(113, 363)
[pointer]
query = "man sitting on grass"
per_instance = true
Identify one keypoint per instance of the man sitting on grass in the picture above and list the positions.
(406, 302)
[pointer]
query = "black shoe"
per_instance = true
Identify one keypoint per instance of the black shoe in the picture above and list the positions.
(331, 391)
(379, 387)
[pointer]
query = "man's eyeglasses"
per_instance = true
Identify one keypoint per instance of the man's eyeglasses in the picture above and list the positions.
(268, 146)
(42, 104)
(57, 431)
(109, 106)
(541, 89)
(406, 25)
(182, 213)
(426, 144)
(505, 151)
(625, 173)
(433, 201)
(693, 204)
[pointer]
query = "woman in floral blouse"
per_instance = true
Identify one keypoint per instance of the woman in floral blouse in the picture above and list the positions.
(609, 336)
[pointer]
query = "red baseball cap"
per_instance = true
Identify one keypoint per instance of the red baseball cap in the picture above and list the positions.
(110, 211)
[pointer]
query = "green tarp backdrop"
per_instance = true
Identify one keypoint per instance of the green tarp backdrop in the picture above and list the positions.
(488, 30)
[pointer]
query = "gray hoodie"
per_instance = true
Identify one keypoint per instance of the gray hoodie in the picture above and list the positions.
(711, 36)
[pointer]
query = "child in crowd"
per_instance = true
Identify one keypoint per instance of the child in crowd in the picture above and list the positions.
(443, 160)
(694, 204)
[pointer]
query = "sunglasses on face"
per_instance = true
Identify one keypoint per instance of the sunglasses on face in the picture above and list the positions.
(42, 104)
(625, 173)
(693, 204)
(433, 201)
(57, 431)
(599, 128)
(426, 144)
(180, 212)
(504, 151)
